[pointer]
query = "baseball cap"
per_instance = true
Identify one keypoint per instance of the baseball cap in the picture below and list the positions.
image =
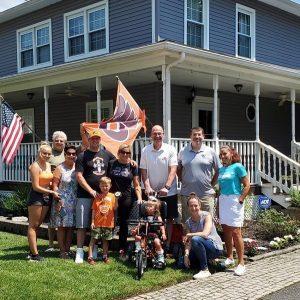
(95, 133)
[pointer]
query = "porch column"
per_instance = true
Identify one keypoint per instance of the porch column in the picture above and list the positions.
(257, 94)
(216, 121)
(293, 100)
(98, 90)
(46, 98)
(166, 78)
(257, 148)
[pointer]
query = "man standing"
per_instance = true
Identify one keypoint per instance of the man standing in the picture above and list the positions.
(90, 166)
(158, 168)
(198, 170)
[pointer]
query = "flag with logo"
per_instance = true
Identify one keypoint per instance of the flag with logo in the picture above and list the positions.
(12, 133)
(125, 124)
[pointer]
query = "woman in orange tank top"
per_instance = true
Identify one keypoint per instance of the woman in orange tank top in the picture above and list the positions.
(39, 197)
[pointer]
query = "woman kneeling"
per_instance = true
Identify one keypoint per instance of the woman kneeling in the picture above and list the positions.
(202, 241)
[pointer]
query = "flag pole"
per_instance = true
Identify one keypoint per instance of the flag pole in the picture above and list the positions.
(1, 162)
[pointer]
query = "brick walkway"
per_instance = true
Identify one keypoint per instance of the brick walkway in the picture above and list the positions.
(262, 278)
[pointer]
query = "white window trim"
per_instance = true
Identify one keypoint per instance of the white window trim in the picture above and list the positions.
(29, 111)
(204, 103)
(205, 23)
(93, 105)
(246, 112)
(33, 28)
(251, 12)
(83, 11)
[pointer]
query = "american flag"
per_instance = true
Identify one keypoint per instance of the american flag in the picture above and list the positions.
(12, 133)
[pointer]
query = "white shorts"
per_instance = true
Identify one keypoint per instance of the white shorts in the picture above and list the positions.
(231, 212)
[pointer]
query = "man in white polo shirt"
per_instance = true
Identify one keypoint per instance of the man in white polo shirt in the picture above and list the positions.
(198, 170)
(158, 167)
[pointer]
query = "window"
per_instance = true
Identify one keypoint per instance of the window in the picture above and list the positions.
(86, 31)
(34, 46)
(245, 32)
(196, 31)
(106, 110)
(28, 116)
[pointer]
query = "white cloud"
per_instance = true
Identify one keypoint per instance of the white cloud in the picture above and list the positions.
(6, 4)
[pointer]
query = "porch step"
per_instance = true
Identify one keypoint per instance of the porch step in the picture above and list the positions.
(276, 195)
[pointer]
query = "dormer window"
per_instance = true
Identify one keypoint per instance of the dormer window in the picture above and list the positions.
(245, 32)
(34, 46)
(86, 31)
(196, 32)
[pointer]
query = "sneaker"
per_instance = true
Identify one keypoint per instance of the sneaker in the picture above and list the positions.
(95, 252)
(50, 249)
(106, 260)
(202, 274)
(160, 258)
(36, 258)
(240, 270)
(228, 262)
(79, 256)
(122, 255)
(91, 261)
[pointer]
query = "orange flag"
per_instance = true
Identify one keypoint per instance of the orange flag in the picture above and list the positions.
(125, 124)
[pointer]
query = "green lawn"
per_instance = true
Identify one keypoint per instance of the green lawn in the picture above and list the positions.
(63, 279)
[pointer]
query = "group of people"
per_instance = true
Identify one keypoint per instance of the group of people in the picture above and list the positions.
(84, 187)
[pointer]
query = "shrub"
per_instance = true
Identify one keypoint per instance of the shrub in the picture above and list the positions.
(16, 203)
(272, 223)
(295, 198)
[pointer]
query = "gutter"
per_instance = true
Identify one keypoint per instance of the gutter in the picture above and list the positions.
(167, 95)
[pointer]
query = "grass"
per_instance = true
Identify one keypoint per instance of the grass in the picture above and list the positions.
(63, 279)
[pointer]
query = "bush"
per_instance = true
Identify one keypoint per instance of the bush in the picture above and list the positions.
(16, 203)
(295, 198)
(272, 223)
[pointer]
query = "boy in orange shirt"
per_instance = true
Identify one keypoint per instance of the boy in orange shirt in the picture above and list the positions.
(103, 219)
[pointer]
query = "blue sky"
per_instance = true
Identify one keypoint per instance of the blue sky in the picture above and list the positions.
(5, 4)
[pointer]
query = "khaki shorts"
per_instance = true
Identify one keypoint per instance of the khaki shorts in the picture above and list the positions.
(104, 233)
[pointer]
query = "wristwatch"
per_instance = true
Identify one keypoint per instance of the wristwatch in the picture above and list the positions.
(167, 187)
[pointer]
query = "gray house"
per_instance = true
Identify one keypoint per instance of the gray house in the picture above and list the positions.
(230, 66)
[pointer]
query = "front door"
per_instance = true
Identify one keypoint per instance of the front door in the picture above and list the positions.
(202, 114)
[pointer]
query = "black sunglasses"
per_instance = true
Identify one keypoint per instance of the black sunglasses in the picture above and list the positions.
(125, 152)
(71, 153)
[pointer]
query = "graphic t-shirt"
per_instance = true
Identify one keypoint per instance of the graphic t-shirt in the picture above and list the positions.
(103, 207)
(230, 179)
(93, 166)
(121, 176)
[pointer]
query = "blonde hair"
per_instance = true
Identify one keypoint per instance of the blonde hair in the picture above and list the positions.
(105, 180)
(124, 146)
(156, 203)
(44, 146)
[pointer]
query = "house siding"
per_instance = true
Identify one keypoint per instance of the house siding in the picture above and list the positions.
(277, 31)
(129, 26)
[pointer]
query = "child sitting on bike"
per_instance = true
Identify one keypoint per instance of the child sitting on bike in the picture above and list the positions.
(156, 230)
(103, 219)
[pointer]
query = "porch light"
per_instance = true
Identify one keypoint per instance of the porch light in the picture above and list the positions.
(30, 95)
(158, 75)
(238, 87)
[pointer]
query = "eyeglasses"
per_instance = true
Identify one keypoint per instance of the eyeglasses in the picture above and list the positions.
(71, 153)
(125, 152)
(59, 141)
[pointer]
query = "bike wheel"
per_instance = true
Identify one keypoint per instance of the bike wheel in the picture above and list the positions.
(140, 264)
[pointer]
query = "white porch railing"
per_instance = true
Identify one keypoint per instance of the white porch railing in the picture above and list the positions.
(18, 170)
(295, 151)
(278, 169)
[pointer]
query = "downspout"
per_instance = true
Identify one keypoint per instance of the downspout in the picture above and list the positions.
(167, 95)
